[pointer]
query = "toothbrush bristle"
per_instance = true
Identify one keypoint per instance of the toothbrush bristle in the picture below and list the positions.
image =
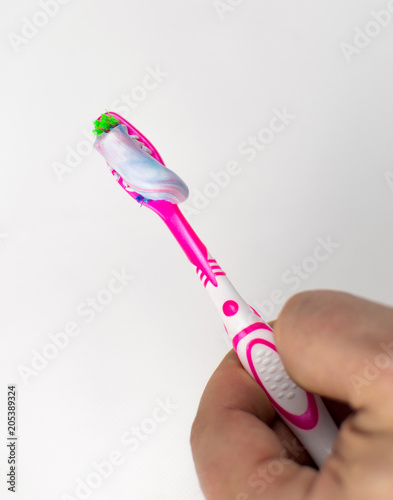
(104, 124)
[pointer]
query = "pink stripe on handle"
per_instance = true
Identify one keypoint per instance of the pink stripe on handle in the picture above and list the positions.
(246, 331)
(309, 419)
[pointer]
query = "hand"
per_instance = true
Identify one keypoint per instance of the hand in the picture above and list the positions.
(332, 344)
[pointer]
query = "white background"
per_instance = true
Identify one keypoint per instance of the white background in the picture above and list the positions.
(326, 175)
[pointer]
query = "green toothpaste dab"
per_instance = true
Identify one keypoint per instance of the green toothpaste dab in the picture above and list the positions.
(104, 124)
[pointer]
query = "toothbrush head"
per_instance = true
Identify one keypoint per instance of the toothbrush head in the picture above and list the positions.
(135, 163)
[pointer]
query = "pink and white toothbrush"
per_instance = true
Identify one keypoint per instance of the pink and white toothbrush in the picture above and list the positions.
(141, 172)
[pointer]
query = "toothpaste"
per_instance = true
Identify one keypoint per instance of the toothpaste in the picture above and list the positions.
(143, 173)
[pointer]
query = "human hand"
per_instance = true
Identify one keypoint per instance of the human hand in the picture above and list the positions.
(333, 344)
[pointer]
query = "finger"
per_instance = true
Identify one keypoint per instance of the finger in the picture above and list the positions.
(325, 339)
(231, 387)
(230, 439)
(337, 409)
(331, 344)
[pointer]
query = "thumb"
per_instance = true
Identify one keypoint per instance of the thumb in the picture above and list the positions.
(339, 346)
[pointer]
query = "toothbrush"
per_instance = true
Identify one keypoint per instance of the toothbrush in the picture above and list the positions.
(141, 172)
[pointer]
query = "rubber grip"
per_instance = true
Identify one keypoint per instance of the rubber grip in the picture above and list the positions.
(303, 412)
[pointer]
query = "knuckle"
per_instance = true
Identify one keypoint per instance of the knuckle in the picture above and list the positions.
(319, 307)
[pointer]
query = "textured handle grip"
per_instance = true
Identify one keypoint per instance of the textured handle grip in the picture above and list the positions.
(303, 412)
(253, 340)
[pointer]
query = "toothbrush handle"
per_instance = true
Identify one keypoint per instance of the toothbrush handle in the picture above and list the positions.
(303, 412)
(253, 341)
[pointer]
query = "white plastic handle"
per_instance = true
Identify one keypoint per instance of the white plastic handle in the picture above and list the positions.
(253, 340)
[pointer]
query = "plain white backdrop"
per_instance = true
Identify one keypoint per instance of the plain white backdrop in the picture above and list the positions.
(200, 79)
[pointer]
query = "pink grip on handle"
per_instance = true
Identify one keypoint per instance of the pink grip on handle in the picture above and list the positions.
(308, 419)
(304, 414)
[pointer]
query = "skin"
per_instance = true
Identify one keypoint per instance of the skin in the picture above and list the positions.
(331, 344)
